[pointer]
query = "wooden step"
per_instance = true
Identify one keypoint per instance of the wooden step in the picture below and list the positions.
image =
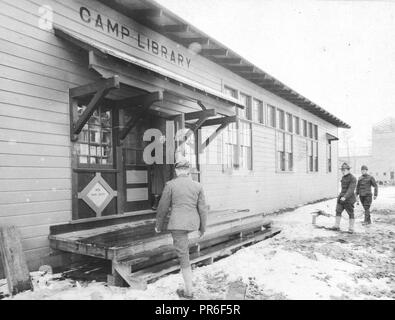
(139, 279)
(166, 252)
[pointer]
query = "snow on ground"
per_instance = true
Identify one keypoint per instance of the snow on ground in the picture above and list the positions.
(302, 262)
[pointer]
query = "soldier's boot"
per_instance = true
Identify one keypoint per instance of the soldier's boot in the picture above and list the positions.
(367, 220)
(336, 227)
(351, 223)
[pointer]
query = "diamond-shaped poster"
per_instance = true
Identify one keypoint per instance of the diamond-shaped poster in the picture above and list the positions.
(98, 194)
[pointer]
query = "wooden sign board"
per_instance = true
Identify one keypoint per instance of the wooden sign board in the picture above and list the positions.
(13, 259)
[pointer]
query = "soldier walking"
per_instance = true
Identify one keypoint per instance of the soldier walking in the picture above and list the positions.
(184, 199)
(346, 198)
(364, 192)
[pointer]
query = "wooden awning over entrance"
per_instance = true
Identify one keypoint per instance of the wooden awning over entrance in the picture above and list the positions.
(176, 83)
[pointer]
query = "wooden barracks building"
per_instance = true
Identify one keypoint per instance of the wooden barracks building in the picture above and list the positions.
(82, 80)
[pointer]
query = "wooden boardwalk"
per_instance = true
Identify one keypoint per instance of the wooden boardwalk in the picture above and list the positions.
(140, 256)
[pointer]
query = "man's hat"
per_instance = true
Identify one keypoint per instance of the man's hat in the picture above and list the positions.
(345, 166)
(364, 167)
(183, 164)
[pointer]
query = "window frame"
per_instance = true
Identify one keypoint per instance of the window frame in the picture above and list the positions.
(260, 111)
(281, 118)
(272, 116)
(296, 121)
(107, 105)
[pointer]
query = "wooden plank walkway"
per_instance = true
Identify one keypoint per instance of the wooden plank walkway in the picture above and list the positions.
(140, 255)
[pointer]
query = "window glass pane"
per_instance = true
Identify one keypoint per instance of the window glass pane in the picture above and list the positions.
(246, 102)
(271, 113)
(281, 119)
(310, 130)
(289, 122)
(280, 141)
(257, 111)
(305, 128)
(230, 92)
(288, 143)
(95, 140)
(297, 125)
(315, 132)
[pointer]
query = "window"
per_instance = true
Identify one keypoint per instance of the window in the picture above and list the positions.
(315, 132)
(281, 119)
(289, 123)
(329, 156)
(297, 125)
(230, 92)
(271, 116)
(312, 156)
(245, 145)
(284, 151)
(392, 173)
(310, 130)
(257, 111)
(384, 173)
(237, 138)
(304, 128)
(246, 102)
(230, 146)
(94, 144)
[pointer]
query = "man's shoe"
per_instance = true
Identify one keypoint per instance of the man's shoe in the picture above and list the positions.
(181, 293)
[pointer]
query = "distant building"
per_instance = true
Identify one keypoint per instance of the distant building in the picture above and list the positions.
(381, 162)
(383, 151)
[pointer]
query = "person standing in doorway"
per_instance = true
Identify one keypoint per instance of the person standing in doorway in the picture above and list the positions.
(346, 198)
(184, 199)
(364, 192)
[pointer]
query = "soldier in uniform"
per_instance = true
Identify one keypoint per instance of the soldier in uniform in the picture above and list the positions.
(346, 198)
(184, 199)
(364, 192)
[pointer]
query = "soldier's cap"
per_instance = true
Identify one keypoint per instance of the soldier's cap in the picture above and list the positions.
(345, 166)
(183, 164)
(364, 167)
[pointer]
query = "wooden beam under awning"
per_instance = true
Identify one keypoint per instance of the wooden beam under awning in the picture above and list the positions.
(145, 102)
(99, 90)
(223, 123)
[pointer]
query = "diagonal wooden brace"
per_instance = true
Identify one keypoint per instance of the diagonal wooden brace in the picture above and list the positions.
(145, 101)
(100, 89)
(224, 122)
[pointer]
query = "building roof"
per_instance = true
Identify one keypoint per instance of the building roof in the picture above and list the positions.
(385, 126)
(154, 16)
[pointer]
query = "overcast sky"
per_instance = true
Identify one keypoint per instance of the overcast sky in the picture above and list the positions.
(339, 54)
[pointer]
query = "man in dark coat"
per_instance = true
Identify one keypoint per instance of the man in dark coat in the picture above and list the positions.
(346, 198)
(364, 192)
(184, 199)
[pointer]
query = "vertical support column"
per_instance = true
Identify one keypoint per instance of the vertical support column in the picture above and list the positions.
(119, 156)
(74, 164)
(180, 124)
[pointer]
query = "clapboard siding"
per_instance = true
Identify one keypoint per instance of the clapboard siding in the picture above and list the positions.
(34, 210)
(19, 148)
(7, 185)
(19, 135)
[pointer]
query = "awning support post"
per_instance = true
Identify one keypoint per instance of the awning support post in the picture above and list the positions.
(145, 102)
(99, 89)
(224, 122)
